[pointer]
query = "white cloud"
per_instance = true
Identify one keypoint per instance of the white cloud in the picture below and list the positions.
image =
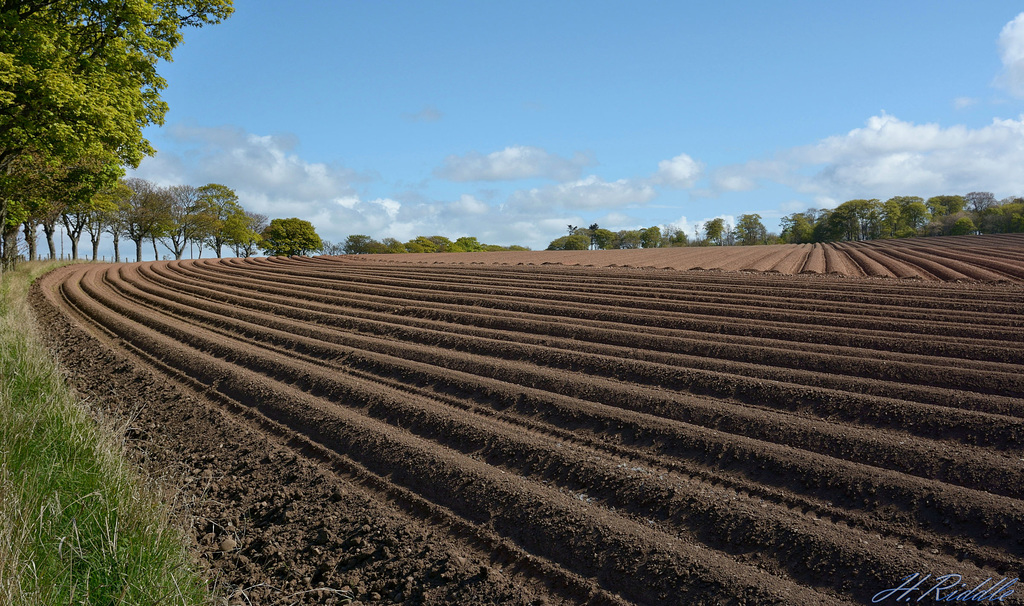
(1011, 51)
(591, 193)
(681, 172)
(889, 156)
(511, 163)
(468, 205)
(964, 102)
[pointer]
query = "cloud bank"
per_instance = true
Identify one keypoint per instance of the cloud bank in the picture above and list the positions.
(512, 163)
(1011, 52)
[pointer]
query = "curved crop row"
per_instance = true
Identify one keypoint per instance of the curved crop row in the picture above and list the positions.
(671, 447)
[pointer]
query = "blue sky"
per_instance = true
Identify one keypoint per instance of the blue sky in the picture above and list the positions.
(510, 120)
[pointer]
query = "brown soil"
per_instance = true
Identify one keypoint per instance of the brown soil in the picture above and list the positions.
(989, 258)
(347, 430)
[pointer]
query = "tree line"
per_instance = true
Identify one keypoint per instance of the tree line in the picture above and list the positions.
(907, 216)
(853, 220)
(179, 217)
(78, 83)
(359, 244)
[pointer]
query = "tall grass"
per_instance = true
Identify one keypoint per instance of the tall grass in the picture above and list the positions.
(78, 525)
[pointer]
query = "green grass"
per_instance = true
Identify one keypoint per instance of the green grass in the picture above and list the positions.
(78, 524)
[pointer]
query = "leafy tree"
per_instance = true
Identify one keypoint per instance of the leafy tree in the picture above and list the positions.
(421, 244)
(603, 239)
(466, 244)
(393, 246)
(357, 244)
(962, 227)
(1000, 219)
(442, 243)
(714, 230)
(573, 242)
(749, 230)
(630, 238)
(221, 204)
(242, 232)
(940, 206)
(913, 213)
(798, 228)
(285, 237)
(78, 78)
(650, 237)
(673, 236)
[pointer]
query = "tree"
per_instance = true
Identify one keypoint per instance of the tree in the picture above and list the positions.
(603, 239)
(650, 237)
(285, 237)
(940, 206)
(221, 204)
(357, 244)
(78, 77)
(979, 201)
(573, 242)
(466, 244)
(798, 228)
(962, 227)
(673, 236)
(630, 238)
(421, 244)
(146, 213)
(188, 219)
(242, 232)
(749, 230)
(714, 230)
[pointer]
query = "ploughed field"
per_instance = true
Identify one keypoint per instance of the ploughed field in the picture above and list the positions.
(988, 258)
(577, 435)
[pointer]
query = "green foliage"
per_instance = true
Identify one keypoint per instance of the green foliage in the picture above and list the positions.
(603, 239)
(650, 237)
(576, 241)
(78, 77)
(466, 244)
(750, 231)
(962, 227)
(940, 206)
(357, 244)
(285, 237)
(78, 525)
(673, 236)
(714, 230)
(798, 228)
(220, 203)
(242, 232)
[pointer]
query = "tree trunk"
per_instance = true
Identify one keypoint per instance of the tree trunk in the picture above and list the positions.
(95, 247)
(117, 251)
(138, 250)
(156, 253)
(49, 228)
(74, 246)
(10, 237)
(30, 239)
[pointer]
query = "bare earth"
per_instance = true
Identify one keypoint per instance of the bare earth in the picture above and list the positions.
(352, 430)
(990, 258)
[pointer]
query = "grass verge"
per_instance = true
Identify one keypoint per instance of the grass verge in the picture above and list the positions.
(78, 524)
